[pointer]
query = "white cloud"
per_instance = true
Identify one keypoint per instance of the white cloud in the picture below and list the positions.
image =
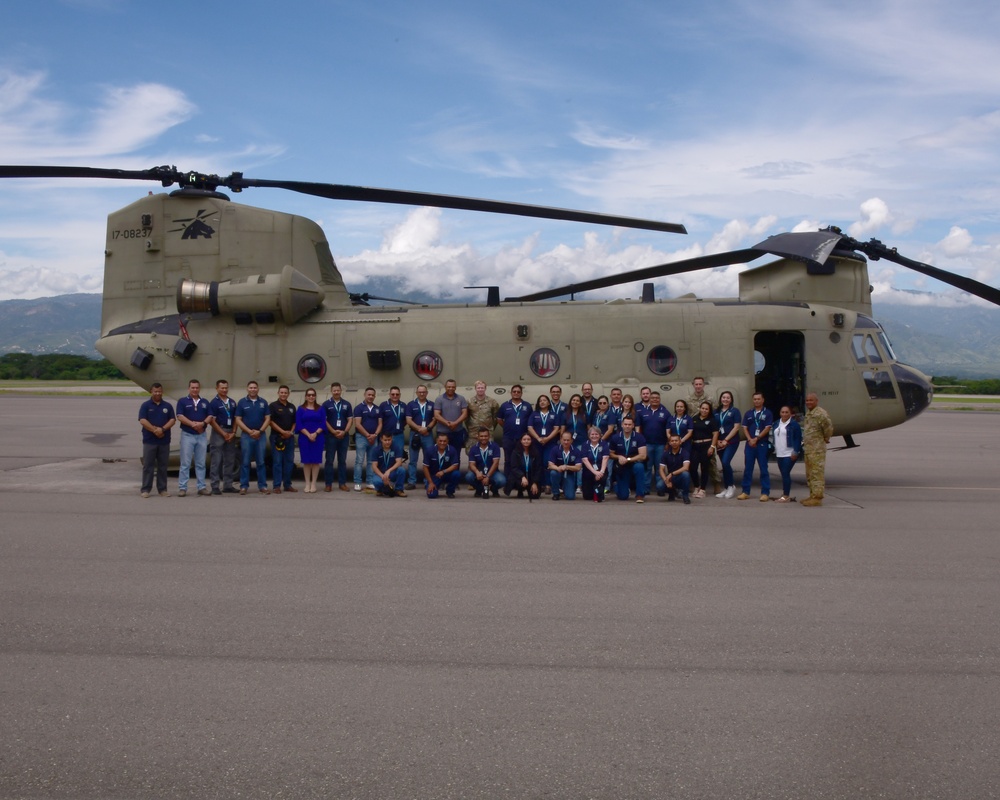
(874, 215)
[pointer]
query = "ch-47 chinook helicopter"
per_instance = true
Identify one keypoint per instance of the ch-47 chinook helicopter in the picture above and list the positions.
(196, 285)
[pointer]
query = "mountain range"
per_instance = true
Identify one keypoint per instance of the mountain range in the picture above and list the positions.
(963, 342)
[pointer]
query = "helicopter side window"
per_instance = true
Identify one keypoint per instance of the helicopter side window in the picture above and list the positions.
(858, 346)
(312, 368)
(545, 362)
(879, 385)
(661, 360)
(428, 365)
(887, 345)
(874, 357)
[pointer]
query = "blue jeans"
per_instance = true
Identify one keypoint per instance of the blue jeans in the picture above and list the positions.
(417, 447)
(497, 481)
(194, 446)
(398, 478)
(654, 452)
(682, 484)
(636, 469)
(282, 462)
(450, 482)
(726, 456)
(256, 450)
(563, 483)
(756, 455)
(785, 468)
(361, 457)
(336, 448)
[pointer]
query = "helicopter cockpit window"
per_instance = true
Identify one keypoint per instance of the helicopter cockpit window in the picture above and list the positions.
(312, 368)
(858, 346)
(428, 365)
(884, 339)
(545, 362)
(874, 357)
(879, 385)
(661, 360)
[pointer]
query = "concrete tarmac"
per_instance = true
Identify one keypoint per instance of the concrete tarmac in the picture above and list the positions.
(343, 645)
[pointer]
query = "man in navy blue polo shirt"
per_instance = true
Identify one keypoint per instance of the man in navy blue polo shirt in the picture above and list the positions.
(156, 417)
(339, 418)
(222, 444)
(513, 416)
(367, 427)
(654, 422)
(674, 469)
(394, 418)
(252, 418)
(441, 468)
(484, 465)
(420, 419)
(193, 414)
(628, 451)
(386, 462)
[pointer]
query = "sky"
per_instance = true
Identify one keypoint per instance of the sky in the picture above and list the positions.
(738, 119)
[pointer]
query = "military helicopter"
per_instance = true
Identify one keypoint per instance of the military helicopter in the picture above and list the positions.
(197, 285)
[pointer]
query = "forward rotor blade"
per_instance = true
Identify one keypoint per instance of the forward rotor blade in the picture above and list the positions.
(648, 273)
(332, 191)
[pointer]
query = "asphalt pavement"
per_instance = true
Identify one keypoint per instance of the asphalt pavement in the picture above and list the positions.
(343, 645)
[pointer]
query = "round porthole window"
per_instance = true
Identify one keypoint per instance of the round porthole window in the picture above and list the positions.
(428, 366)
(545, 362)
(312, 368)
(661, 360)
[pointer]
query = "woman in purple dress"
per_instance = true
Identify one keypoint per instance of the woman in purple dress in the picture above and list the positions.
(310, 422)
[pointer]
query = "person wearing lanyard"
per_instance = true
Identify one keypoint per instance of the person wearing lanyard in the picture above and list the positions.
(441, 467)
(420, 420)
(575, 421)
(193, 414)
(386, 459)
(595, 465)
(729, 442)
(564, 467)
(757, 423)
(558, 406)
(589, 402)
(484, 465)
(222, 445)
(526, 469)
(339, 418)
(252, 418)
(628, 449)
(655, 420)
(680, 423)
(394, 418)
(367, 427)
(544, 428)
(514, 416)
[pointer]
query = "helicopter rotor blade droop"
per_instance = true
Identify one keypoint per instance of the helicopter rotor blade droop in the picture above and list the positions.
(236, 182)
(813, 248)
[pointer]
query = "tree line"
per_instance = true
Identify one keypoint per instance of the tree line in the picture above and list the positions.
(948, 384)
(57, 367)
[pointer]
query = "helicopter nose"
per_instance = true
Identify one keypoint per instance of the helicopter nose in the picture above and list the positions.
(914, 387)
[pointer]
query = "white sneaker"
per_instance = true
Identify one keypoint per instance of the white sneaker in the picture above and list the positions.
(357, 487)
(723, 494)
(370, 486)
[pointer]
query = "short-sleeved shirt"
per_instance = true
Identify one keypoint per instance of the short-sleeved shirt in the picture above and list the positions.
(367, 416)
(728, 419)
(437, 462)
(482, 413)
(451, 408)
(384, 458)
(674, 461)
(157, 415)
(282, 415)
(194, 410)
(544, 422)
(703, 428)
(252, 412)
(756, 421)
(680, 425)
(224, 411)
(630, 448)
(514, 418)
(484, 459)
(338, 413)
(595, 455)
(422, 416)
(558, 456)
(393, 417)
(654, 423)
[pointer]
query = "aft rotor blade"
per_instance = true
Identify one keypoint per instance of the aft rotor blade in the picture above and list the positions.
(647, 273)
(875, 250)
(333, 191)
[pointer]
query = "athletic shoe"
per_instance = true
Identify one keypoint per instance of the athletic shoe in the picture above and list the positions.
(357, 487)
(730, 492)
(639, 500)
(722, 495)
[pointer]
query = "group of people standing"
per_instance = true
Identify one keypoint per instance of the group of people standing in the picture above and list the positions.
(586, 446)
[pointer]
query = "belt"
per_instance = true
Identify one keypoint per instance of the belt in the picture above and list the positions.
(700, 441)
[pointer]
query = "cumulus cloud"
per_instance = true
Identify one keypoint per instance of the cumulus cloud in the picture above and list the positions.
(874, 215)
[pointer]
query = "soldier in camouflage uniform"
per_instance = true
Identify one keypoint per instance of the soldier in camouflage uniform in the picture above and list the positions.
(482, 412)
(817, 428)
(694, 401)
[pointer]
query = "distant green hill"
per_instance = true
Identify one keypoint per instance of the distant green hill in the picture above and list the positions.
(963, 342)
